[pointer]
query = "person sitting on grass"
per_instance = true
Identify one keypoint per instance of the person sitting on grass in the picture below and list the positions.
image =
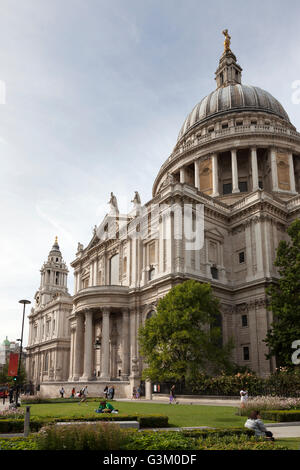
(255, 423)
(106, 407)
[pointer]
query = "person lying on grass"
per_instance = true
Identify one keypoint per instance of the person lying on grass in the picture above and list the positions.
(106, 407)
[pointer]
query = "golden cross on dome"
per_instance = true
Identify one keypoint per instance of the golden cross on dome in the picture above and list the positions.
(56, 241)
(227, 40)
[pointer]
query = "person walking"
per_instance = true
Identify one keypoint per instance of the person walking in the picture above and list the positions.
(11, 394)
(84, 394)
(172, 396)
(111, 392)
(134, 392)
(62, 391)
(105, 391)
(4, 396)
(244, 398)
(73, 392)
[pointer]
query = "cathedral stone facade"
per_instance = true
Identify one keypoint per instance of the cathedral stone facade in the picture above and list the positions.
(233, 177)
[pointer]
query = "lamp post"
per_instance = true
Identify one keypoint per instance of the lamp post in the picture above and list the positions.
(24, 302)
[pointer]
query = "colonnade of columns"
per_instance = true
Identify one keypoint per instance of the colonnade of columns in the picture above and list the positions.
(235, 173)
(83, 349)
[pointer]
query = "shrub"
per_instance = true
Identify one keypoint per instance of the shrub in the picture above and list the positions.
(86, 437)
(160, 440)
(232, 442)
(283, 382)
(19, 443)
(36, 400)
(203, 433)
(281, 415)
(154, 421)
(10, 425)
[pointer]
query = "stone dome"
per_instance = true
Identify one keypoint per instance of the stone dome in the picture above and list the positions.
(232, 98)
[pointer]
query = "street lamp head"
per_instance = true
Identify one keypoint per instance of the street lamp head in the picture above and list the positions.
(24, 302)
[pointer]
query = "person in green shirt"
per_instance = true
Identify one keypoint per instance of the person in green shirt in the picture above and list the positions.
(106, 407)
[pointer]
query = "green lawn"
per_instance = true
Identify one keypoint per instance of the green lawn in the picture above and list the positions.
(179, 415)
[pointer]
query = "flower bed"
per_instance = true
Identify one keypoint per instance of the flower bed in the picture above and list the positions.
(270, 403)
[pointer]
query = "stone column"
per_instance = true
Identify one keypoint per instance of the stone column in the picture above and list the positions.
(292, 173)
(148, 390)
(234, 170)
(255, 183)
(88, 347)
(215, 175)
(78, 347)
(71, 366)
(249, 258)
(105, 344)
(133, 343)
(274, 169)
(125, 343)
(182, 175)
(197, 174)
(259, 249)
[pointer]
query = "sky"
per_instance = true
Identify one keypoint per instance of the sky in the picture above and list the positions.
(93, 95)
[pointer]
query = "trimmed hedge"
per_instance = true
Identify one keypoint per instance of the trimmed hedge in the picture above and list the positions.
(146, 421)
(281, 416)
(112, 438)
(48, 401)
(218, 432)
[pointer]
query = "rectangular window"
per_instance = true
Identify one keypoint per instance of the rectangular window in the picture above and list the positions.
(261, 184)
(246, 353)
(242, 257)
(225, 126)
(214, 272)
(227, 188)
(239, 123)
(151, 273)
(243, 186)
(244, 320)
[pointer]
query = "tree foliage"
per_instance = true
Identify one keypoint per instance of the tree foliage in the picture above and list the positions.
(284, 297)
(184, 336)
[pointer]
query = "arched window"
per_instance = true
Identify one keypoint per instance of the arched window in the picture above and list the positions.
(114, 267)
(150, 314)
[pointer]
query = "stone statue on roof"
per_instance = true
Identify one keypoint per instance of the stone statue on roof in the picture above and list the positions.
(113, 203)
(136, 200)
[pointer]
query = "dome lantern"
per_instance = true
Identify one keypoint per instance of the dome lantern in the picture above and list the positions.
(229, 71)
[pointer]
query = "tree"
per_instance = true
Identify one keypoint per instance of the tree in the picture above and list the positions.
(184, 336)
(284, 299)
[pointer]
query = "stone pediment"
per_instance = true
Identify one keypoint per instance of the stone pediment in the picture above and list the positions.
(214, 233)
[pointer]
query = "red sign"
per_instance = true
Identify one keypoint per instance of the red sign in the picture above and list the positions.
(13, 364)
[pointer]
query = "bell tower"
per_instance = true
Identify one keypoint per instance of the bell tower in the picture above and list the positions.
(54, 273)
